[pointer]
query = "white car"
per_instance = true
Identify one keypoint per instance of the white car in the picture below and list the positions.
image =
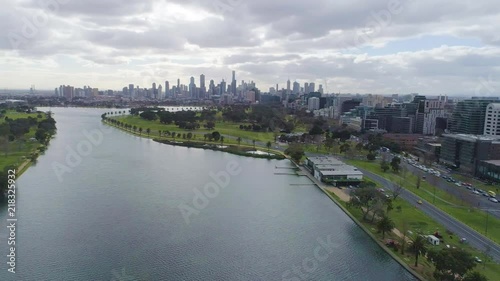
(494, 200)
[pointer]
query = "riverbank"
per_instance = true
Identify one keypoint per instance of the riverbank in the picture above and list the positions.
(241, 151)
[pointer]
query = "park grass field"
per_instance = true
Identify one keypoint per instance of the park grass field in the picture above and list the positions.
(17, 152)
(224, 128)
(457, 208)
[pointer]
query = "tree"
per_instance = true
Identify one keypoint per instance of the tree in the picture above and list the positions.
(395, 164)
(474, 276)
(210, 125)
(268, 145)
(418, 181)
(371, 156)
(366, 199)
(295, 151)
(238, 140)
(140, 131)
(148, 131)
(396, 190)
(384, 166)
(216, 136)
(221, 140)
(189, 135)
(253, 141)
(359, 146)
(385, 224)
(418, 246)
(345, 147)
(450, 262)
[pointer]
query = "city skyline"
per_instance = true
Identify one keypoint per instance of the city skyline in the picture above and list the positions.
(381, 47)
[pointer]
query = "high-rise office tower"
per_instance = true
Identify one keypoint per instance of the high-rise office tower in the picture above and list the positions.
(203, 89)
(469, 115)
(233, 83)
(155, 92)
(131, 90)
(296, 88)
(167, 89)
(222, 87)
(160, 92)
(306, 88)
(492, 120)
(320, 90)
(312, 87)
(192, 88)
(178, 87)
(211, 89)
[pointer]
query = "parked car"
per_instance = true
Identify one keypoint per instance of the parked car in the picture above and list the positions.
(477, 259)
(494, 200)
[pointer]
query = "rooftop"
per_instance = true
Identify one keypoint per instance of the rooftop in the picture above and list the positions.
(325, 160)
(466, 137)
(493, 162)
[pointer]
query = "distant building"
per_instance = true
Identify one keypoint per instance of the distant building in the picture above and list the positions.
(489, 170)
(466, 151)
(469, 116)
(405, 141)
(492, 120)
(433, 109)
(313, 104)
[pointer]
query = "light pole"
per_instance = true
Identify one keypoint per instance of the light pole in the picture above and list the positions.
(486, 224)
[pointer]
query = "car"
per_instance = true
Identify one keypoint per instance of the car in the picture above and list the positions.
(494, 200)
(469, 187)
(476, 192)
(419, 202)
(478, 260)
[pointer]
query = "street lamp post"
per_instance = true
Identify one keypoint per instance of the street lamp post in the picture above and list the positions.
(486, 224)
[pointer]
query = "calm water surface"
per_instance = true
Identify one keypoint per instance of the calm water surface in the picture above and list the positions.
(108, 208)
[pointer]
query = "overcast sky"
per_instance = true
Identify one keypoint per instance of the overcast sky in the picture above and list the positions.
(372, 46)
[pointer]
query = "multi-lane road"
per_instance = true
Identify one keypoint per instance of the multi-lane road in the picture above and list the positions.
(473, 237)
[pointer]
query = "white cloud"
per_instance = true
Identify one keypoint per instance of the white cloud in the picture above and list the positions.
(117, 42)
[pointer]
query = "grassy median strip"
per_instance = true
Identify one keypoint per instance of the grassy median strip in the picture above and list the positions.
(458, 208)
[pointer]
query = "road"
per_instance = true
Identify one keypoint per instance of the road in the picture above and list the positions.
(461, 230)
(460, 192)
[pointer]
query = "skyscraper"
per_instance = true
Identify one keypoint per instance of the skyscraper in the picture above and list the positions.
(131, 90)
(155, 92)
(192, 88)
(296, 88)
(203, 89)
(233, 83)
(306, 88)
(167, 89)
(312, 87)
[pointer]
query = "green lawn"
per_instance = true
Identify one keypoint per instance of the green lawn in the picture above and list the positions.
(224, 128)
(12, 114)
(16, 152)
(457, 208)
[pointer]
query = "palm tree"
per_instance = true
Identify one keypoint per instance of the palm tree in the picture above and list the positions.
(385, 224)
(268, 145)
(418, 246)
(221, 140)
(148, 130)
(253, 144)
(135, 128)
(140, 131)
(238, 140)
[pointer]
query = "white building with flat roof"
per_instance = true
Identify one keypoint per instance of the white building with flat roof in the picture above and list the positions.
(331, 170)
